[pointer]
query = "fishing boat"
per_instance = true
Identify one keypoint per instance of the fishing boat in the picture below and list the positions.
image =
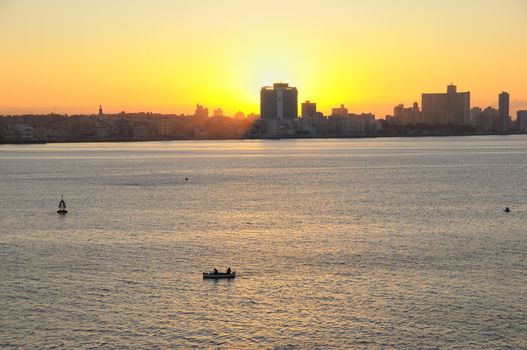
(62, 206)
(217, 275)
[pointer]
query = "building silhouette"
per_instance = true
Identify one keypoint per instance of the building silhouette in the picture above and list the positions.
(503, 108)
(201, 112)
(521, 120)
(218, 112)
(239, 115)
(489, 119)
(101, 113)
(475, 113)
(451, 107)
(405, 116)
(339, 111)
(309, 109)
(279, 102)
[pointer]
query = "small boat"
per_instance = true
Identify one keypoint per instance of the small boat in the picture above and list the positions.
(507, 210)
(62, 206)
(218, 275)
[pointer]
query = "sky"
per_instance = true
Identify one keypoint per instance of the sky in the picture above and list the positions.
(166, 56)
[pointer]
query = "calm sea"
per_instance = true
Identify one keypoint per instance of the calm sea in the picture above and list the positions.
(367, 243)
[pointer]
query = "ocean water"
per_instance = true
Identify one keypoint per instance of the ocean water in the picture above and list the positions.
(351, 243)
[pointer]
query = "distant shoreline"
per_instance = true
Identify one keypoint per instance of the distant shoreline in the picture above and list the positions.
(259, 138)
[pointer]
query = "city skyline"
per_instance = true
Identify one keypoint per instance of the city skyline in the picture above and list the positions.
(297, 106)
(166, 57)
(441, 114)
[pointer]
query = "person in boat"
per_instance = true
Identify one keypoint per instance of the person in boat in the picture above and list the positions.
(229, 271)
(507, 210)
(215, 271)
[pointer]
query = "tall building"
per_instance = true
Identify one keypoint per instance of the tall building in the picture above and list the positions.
(309, 109)
(339, 111)
(279, 102)
(503, 108)
(451, 107)
(100, 110)
(521, 119)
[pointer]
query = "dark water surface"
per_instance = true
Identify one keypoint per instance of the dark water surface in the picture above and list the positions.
(370, 243)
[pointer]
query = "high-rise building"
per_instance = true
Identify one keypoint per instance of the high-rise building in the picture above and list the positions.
(100, 111)
(503, 108)
(309, 109)
(339, 111)
(279, 102)
(521, 119)
(451, 107)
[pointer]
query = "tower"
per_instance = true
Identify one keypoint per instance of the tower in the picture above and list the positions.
(279, 102)
(100, 110)
(503, 107)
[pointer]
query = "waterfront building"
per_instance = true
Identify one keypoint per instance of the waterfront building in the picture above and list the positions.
(488, 119)
(19, 133)
(405, 116)
(201, 112)
(358, 124)
(390, 119)
(339, 111)
(311, 121)
(352, 125)
(166, 127)
(101, 131)
(279, 102)
(475, 112)
(521, 120)
(140, 131)
(503, 108)
(451, 107)
(309, 109)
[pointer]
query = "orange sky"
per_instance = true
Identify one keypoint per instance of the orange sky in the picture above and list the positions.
(166, 56)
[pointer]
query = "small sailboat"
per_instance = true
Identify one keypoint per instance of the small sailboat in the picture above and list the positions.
(62, 206)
